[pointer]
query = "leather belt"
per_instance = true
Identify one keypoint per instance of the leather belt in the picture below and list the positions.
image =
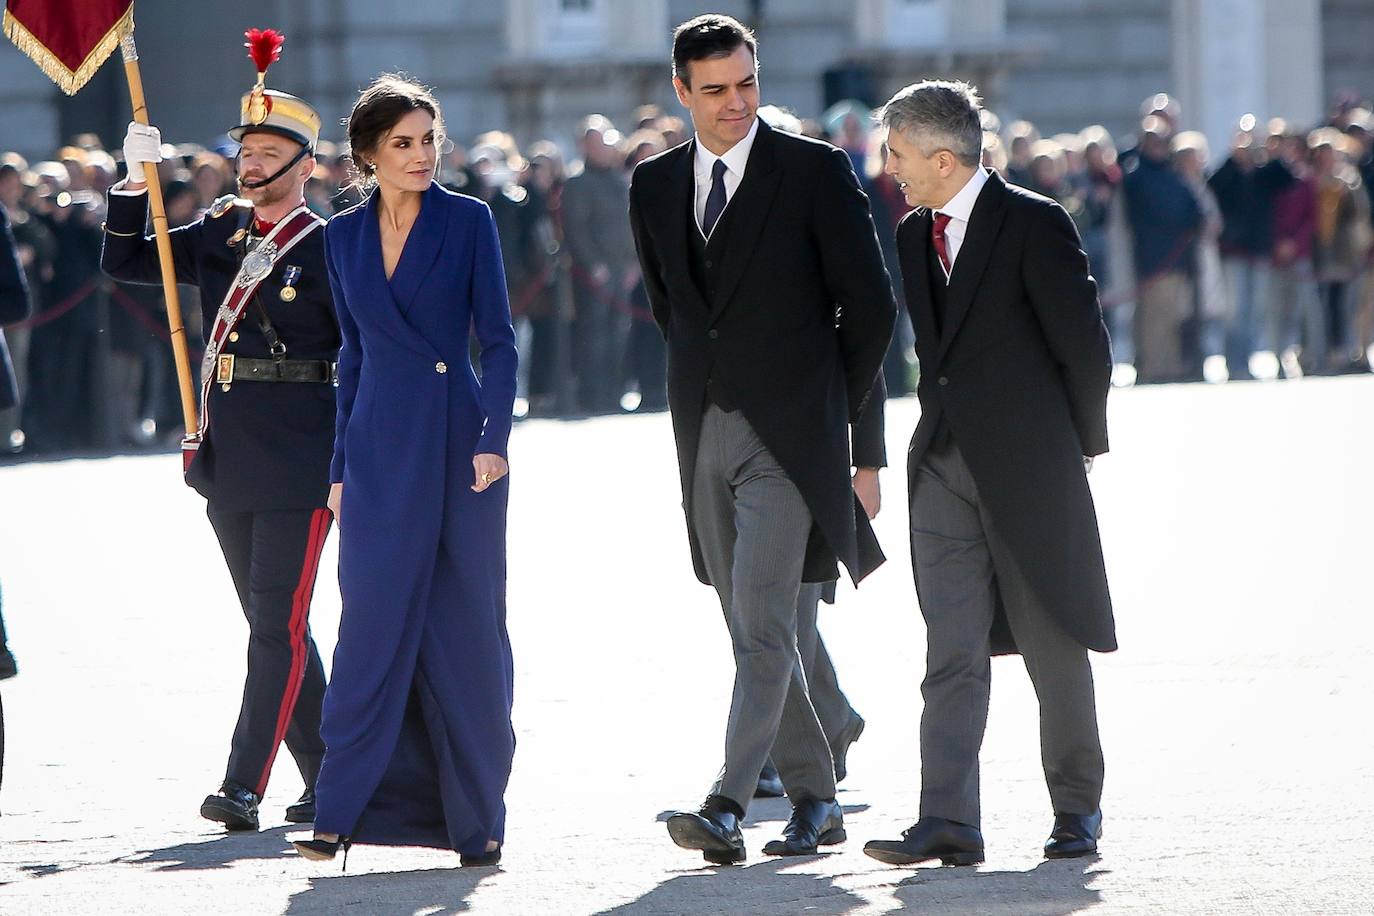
(230, 368)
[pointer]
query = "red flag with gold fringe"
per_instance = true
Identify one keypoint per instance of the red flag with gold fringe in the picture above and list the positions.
(68, 39)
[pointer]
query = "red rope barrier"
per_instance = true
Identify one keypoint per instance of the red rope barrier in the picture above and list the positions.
(62, 308)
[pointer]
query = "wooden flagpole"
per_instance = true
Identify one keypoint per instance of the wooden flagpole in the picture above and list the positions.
(164, 244)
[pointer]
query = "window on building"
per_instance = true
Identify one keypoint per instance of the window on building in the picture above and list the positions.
(577, 26)
(917, 22)
(582, 28)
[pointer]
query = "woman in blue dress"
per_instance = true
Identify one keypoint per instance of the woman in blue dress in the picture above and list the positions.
(417, 715)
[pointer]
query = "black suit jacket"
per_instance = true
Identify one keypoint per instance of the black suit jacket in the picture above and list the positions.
(1020, 374)
(269, 444)
(14, 306)
(797, 328)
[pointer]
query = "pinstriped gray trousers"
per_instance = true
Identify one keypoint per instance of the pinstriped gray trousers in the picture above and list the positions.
(753, 525)
(952, 544)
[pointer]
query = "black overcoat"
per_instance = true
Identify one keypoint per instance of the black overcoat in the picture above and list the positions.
(797, 328)
(1020, 374)
(14, 306)
(269, 444)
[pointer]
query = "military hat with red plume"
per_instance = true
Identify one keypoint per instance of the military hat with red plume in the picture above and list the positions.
(264, 49)
(268, 110)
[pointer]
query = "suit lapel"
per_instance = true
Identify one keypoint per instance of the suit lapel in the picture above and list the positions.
(741, 225)
(421, 250)
(983, 225)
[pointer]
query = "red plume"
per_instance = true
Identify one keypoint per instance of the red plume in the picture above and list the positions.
(264, 47)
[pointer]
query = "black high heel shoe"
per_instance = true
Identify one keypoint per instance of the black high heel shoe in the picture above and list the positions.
(324, 850)
(486, 858)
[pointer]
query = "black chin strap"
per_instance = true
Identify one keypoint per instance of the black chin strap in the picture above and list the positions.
(254, 185)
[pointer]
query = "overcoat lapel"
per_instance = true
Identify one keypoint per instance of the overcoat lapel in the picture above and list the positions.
(422, 248)
(741, 225)
(678, 212)
(916, 274)
(384, 303)
(983, 226)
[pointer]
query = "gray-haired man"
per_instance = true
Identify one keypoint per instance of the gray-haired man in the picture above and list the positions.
(1015, 368)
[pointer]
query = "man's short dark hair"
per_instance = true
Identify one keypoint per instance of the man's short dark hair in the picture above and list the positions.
(709, 36)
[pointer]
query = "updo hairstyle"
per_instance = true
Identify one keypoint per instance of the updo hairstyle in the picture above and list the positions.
(378, 110)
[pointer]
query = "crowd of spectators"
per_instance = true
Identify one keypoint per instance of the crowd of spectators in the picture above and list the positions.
(1256, 265)
(1253, 266)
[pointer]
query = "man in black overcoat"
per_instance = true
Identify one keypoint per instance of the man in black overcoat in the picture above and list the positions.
(1015, 368)
(14, 307)
(268, 415)
(763, 270)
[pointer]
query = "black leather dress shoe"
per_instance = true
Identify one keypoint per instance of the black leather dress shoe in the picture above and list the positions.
(840, 749)
(770, 783)
(303, 811)
(928, 839)
(713, 830)
(8, 667)
(813, 823)
(234, 806)
(1074, 835)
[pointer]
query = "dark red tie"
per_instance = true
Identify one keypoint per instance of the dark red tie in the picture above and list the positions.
(937, 235)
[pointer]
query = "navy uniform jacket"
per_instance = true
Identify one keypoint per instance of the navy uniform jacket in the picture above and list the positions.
(268, 444)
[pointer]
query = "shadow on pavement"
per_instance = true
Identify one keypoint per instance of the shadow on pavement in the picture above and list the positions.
(434, 892)
(1052, 888)
(219, 852)
(754, 889)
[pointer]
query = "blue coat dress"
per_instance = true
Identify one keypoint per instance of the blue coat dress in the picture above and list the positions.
(417, 716)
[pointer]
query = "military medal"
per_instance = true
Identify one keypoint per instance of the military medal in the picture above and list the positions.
(237, 237)
(289, 278)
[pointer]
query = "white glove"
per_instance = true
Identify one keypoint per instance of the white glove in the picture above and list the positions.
(142, 143)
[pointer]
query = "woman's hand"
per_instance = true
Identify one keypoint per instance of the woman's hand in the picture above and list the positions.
(487, 469)
(335, 502)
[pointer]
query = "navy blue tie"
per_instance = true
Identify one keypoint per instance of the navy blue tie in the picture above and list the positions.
(715, 201)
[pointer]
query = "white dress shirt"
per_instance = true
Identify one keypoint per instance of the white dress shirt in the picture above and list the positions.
(959, 209)
(735, 159)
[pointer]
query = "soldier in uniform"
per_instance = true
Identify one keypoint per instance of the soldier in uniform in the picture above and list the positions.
(261, 455)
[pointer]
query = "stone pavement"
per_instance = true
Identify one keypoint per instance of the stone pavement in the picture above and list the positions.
(1236, 718)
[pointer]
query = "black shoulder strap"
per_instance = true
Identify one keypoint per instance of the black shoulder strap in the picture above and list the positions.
(275, 346)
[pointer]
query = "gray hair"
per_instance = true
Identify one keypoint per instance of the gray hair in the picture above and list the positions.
(936, 115)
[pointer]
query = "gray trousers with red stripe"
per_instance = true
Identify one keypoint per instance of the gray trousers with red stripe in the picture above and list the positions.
(273, 558)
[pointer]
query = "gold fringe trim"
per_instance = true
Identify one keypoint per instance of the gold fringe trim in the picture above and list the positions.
(69, 81)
